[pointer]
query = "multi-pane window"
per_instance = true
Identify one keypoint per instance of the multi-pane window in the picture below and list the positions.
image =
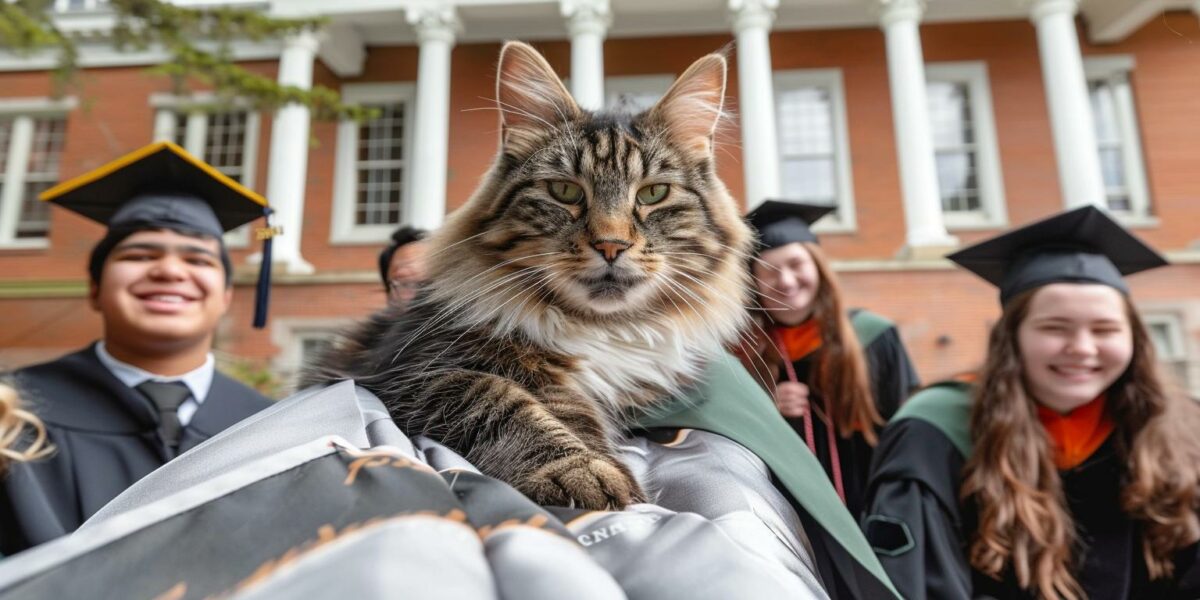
(963, 133)
(374, 164)
(30, 152)
(227, 139)
(1170, 344)
(1108, 139)
(41, 174)
(954, 146)
(1114, 118)
(225, 144)
(223, 139)
(813, 145)
(303, 341)
(380, 167)
(808, 161)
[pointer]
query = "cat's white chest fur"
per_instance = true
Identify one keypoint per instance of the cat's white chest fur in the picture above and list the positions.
(616, 369)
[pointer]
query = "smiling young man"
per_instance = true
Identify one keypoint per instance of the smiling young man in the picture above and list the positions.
(148, 390)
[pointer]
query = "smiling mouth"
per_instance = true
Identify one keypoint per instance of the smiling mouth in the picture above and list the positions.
(165, 298)
(1074, 372)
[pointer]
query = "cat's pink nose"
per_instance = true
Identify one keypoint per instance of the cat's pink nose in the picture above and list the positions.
(611, 249)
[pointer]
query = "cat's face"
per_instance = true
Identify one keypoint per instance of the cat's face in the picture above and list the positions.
(604, 214)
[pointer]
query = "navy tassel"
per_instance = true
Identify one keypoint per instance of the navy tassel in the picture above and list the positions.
(262, 294)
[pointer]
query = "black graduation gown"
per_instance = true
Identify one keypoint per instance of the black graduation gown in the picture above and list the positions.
(105, 437)
(892, 378)
(921, 532)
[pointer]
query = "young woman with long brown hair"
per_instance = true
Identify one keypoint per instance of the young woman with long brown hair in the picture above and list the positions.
(1070, 468)
(836, 375)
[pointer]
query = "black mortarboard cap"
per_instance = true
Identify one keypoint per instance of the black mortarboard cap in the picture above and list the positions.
(1083, 245)
(163, 186)
(780, 223)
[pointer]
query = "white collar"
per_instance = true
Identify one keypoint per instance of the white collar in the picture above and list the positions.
(198, 380)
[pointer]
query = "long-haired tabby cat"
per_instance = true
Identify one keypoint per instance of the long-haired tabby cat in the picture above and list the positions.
(598, 266)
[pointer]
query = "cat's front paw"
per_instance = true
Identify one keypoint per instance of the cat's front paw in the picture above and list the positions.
(585, 480)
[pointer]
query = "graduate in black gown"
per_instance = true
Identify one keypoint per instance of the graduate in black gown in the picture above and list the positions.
(148, 391)
(1069, 466)
(836, 376)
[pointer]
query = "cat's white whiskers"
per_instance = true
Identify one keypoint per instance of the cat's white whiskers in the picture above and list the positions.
(444, 316)
(760, 292)
(455, 301)
(742, 336)
(467, 330)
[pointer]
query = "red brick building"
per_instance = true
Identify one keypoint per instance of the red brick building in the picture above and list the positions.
(978, 118)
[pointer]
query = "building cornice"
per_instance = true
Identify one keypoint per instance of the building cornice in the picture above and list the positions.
(99, 53)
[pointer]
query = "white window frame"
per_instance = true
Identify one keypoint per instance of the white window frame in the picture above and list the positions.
(23, 112)
(994, 212)
(615, 86)
(289, 334)
(64, 6)
(345, 180)
(1109, 67)
(1184, 353)
(168, 107)
(843, 219)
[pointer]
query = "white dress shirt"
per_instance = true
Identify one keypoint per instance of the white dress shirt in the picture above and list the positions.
(198, 381)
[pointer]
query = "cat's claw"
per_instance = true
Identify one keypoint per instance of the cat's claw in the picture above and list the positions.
(586, 480)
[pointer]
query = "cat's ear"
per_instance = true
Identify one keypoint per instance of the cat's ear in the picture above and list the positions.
(691, 109)
(528, 92)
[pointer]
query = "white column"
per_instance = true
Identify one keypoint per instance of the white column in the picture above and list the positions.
(756, 98)
(12, 193)
(195, 133)
(925, 228)
(436, 26)
(587, 23)
(1075, 149)
(289, 154)
(164, 125)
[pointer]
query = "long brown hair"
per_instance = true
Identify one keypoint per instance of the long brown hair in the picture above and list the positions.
(841, 369)
(16, 424)
(1024, 522)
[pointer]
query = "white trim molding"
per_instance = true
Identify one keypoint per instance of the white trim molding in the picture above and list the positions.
(102, 54)
(345, 180)
(992, 212)
(843, 219)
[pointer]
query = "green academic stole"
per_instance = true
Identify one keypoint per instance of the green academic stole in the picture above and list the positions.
(727, 401)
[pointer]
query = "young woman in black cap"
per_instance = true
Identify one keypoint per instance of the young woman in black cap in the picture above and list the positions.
(1070, 468)
(836, 375)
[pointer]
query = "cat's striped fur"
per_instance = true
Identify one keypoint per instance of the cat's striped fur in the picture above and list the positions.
(551, 308)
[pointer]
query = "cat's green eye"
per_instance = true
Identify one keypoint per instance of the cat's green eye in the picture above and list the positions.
(566, 192)
(653, 193)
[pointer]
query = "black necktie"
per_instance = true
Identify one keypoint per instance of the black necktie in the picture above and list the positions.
(167, 396)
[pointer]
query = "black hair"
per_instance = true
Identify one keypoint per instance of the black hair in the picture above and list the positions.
(400, 238)
(116, 235)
